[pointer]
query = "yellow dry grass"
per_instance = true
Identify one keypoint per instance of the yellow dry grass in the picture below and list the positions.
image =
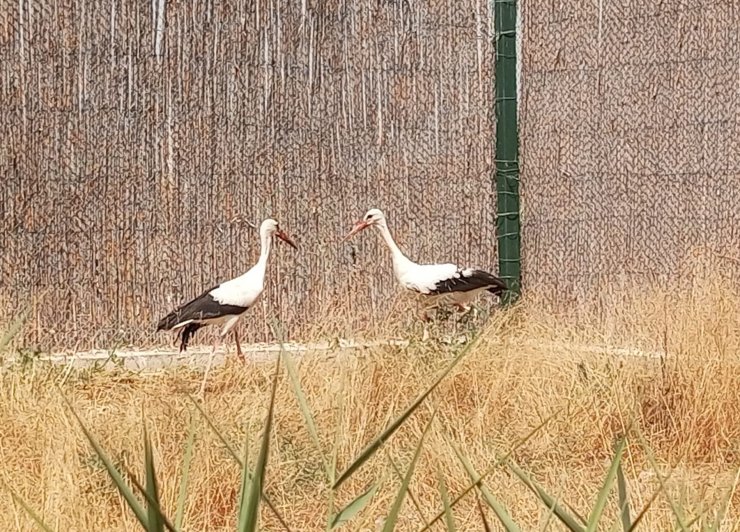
(529, 364)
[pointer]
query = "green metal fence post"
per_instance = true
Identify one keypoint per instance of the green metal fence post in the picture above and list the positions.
(508, 231)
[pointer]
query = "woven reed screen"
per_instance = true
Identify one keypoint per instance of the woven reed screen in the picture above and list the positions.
(630, 143)
(140, 141)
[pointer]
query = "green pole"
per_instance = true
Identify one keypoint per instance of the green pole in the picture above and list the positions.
(508, 232)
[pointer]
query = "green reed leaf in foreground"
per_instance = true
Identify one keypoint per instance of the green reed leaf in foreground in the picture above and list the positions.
(486, 526)
(153, 504)
(303, 405)
(449, 518)
(722, 510)
(236, 458)
(603, 495)
(241, 510)
(392, 517)
(678, 514)
(155, 518)
(183, 494)
(490, 470)
(33, 515)
(375, 444)
(14, 328)
(348, 513)
(549, 501)
(492, 501)
(123, 488)
(624, 503)
(249, 513)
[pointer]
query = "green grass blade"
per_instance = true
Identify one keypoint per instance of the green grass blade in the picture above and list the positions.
(392, 517)
(603, 496)
(486, 526)
(375, 444)
(151, 502)
(678, 514)
(722, 510)
(183, 493)
(334, 452)
(624, 503)
(490, 470)
(349, 512)
(549, 501)
(449, 518)
(400, 475)
(123, 488)
(155, 517)
(242, 509)
(33, 515)
(236, 458)
(254, 493)
(492, 501)
(303, 405)
(647, 506)
(14, 328)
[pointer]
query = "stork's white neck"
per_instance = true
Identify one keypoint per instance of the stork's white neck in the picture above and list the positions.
(400, 261)
(265, 243)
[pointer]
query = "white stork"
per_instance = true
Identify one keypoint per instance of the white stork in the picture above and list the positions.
(439, 284)
(225, 303)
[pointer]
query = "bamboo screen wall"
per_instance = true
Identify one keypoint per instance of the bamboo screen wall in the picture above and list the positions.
(630, 142)
(139, 141)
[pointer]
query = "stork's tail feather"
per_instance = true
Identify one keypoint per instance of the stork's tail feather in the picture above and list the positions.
(498, 286)
(169, 321)
(497, 290)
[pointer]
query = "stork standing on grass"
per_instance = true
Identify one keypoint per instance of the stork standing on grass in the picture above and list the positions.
(440, 284)
(225, 303)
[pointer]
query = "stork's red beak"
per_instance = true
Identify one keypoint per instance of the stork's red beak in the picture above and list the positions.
(282, 235)
(359, 226)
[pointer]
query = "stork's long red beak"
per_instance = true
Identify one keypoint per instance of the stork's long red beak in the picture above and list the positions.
(359, 226)
(282, 235)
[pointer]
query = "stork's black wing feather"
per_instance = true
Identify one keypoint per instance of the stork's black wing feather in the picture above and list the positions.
(203, 307)
(466, 280)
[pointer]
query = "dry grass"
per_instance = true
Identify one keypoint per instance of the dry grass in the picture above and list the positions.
(527, 367)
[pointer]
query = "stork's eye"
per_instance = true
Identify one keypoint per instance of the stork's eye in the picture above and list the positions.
(368, 217)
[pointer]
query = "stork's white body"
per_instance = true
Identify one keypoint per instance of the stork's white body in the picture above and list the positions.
(437, 284)
(226, 303)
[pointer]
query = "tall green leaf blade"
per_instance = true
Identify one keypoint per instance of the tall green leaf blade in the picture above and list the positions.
(549, 501)
(255, 488)
(714, 527)
(236, 458)
(678, 514)
(155, 519)
(242, 509)
(492, 501)
(183, 493)
(151, 502)
(392, 517)
(303, 406)
(490, 470)
(603, 496)
(123, 488)
(449, 518)
(486, 526)
(31, 513)
(376, 443)
(14, 328)
(624, 503)
(349, 512)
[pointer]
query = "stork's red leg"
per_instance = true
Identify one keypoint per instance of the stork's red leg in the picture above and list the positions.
(238, 347)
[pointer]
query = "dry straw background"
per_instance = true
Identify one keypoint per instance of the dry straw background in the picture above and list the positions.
(139, 141)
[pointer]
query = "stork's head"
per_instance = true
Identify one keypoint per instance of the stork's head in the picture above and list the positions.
(270, 228)
(372, 217)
